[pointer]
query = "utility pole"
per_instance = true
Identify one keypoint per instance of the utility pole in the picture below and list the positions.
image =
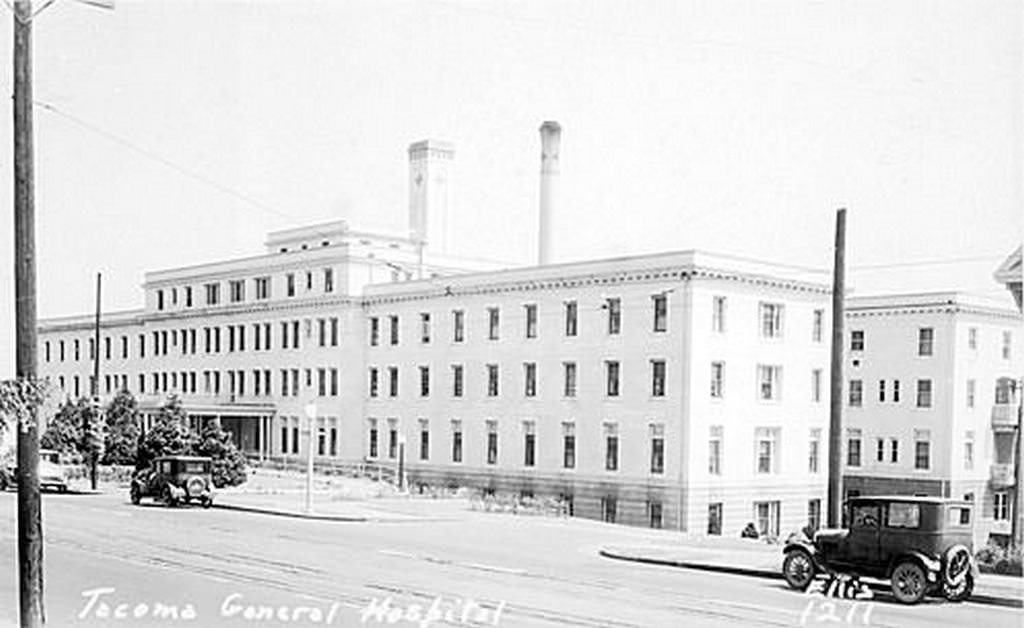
(30, 520)
(95, 388)
(835, 424)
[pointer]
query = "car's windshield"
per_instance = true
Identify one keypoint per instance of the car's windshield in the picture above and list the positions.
(196, 467)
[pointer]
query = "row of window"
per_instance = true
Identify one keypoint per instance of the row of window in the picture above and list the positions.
(926, 341)
(887, 449)
(325, 332)
(261, 289)
(493, 379)
(324, 381)
(766, 450)
(889, 391)
(529, 450)
(326, 439)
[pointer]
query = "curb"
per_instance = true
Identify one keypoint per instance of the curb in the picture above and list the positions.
(291, 514)
(990, 600)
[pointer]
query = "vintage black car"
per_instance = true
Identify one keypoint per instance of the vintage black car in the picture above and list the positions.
(175, 480)
(922, 545)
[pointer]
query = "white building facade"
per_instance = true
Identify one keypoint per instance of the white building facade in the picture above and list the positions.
(931, 398)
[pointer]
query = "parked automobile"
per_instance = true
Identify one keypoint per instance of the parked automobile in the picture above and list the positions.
(921, 545)
(175, 480)
(52, 474)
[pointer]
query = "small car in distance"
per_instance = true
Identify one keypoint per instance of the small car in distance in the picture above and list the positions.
(921, 545)
(52, 474)
(175, 480)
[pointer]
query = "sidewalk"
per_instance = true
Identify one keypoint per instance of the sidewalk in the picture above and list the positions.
(759, 559)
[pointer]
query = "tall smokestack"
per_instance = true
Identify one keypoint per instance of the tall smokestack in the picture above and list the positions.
(550, 139)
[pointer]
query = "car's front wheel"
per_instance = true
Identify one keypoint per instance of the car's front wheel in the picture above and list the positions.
(909, 583)
(798, 569)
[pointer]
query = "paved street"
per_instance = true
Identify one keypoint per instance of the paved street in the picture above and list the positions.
(104, 556)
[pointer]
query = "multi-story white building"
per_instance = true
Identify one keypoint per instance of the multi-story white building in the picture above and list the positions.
(683, 390)
(932, 397)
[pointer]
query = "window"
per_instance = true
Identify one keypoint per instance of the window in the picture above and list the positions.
(881, 390)
(458, 326)
(766, 514)
(309, 280)
(424, 381)
(657, 378)
(456, 441)
(660, 312)
(853, 443)
(769, 379)
(159, 299)
(425, 328)
(718, 314)
(1001, 505)
(569, 387)
(568, 445)
(212, 293)
(894, 450)
(571, 312)
(903, 515)
(814, 450)
(392, 438)
(818, 326)
(295, 334)
(972, 338)
(393, 381)
(373, 438)
(611, 453)
(328, 280)
(856, 393)
(880, 449)
(971, 384)
(1007, 343)
(531, 320)
(715, 518)
(188, 296)
(857, 340)
(816, 378)
(766, 440)
(456, 380)
(322, 331)
(334, 332)
(924, 393)
(608, 509)
(393, 322)
(654, 514)
(493, 323)
(236, 291)
(1004, 391)
(771, 320)
(969, 450)
(614, 307)
(374, 331)
(925, 338)
(373, 382)
(922, 449)
(529, 443)
(895, 391)
(492, 442)
(717, 379)
(492, 380)
(657, 448)
(321, 381)
(262, 288)
(814, 513)
(612, 378)
(715, 450)
(290, 284)
(530, 379)
(424, 439)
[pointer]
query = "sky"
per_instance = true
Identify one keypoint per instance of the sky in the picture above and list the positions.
(182, 132)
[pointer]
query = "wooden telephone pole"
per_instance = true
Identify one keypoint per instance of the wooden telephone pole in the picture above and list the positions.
(30, 528)
(835, 425)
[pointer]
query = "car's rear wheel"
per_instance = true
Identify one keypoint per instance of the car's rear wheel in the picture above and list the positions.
(135, 494)
(798, 569)
(909, 583)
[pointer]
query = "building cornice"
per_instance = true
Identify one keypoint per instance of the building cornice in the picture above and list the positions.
(948, 308)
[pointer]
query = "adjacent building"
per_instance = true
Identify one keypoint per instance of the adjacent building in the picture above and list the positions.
(932, 396)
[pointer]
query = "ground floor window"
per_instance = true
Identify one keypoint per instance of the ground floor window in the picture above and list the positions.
(715, 518)
(567, 502)
(284, 440)
(766, 516)
(608, 508)
(654, 514)
(814, 514)
(1002, 506)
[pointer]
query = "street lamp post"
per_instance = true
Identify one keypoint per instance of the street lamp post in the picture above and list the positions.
(310, 419)
(401, 461)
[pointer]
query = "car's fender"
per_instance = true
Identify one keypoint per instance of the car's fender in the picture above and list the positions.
(805, 546)
(932, 566)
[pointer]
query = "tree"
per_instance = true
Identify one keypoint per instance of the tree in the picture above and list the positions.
(122, 438)
(64, 431)
(229, 465)
(170, 435)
